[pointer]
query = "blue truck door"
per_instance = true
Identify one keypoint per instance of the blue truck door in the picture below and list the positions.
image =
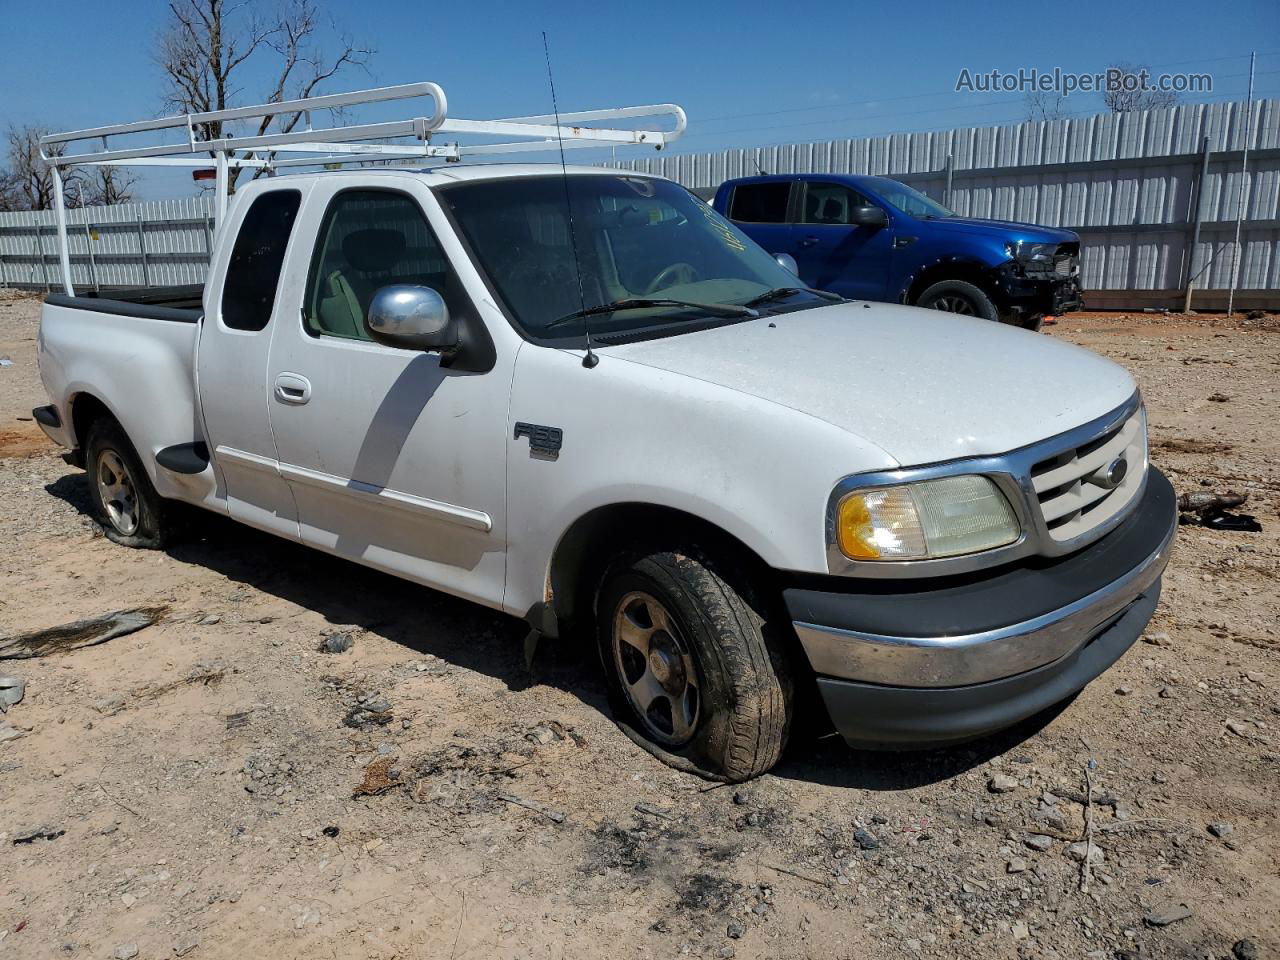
(834, 254)
(762, 208)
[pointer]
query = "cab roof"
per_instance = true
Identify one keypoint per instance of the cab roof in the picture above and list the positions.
(460, 172)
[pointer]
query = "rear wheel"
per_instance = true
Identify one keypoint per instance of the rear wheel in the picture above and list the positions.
(692, 675)
(127, 505)
(957, 296)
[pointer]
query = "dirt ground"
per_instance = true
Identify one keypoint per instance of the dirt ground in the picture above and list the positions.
(200, 780)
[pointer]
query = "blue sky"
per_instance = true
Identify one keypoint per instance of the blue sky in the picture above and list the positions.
(747, 72)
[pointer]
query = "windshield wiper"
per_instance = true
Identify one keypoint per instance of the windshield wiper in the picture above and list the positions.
(639, 303)
(780, 293)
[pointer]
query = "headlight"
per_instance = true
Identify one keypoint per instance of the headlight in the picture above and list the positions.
(1033, 257)
(921, 521)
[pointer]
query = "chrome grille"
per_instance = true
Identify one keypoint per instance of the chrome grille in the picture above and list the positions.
(1077, 489)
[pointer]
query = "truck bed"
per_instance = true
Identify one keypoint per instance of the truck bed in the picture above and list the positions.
(136, 359)
(177, 304)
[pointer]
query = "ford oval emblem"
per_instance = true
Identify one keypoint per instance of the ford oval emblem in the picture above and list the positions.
(1113, 474)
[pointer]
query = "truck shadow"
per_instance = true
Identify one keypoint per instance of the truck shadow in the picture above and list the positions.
(820, 756)
(351, 596)
(465, 634)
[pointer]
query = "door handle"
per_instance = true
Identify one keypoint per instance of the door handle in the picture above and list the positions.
(293, 388)
(808, 241)
(900, 242)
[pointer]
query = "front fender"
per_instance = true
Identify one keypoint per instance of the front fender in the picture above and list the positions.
(634, 434)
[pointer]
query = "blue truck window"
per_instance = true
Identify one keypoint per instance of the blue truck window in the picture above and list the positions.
(829, 203)
(760, 202)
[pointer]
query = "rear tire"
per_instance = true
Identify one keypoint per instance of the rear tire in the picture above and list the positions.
(693, 676)
(124, 501)
(956, 296)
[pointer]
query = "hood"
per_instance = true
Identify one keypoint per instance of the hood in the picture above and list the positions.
(1006, 230)
(922, 385)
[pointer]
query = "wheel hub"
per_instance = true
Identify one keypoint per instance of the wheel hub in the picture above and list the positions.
(666, 665)
(116, 491)
(954, 304)
(656, 669)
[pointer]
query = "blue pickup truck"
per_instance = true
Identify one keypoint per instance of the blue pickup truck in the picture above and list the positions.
(872, 238)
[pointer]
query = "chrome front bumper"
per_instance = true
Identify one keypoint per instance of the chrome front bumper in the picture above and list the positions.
(954, 651)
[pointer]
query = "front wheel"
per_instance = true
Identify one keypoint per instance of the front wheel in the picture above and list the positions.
(956, 296)
(127, 505)
(693, 677)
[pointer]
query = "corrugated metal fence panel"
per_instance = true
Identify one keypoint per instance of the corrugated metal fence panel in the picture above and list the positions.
(156, 243)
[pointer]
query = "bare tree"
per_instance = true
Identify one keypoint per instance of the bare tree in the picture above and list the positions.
(1046, 105)
(27, 182)
(1127, 89)
(208, 44)
(8, 191)
(108, 185)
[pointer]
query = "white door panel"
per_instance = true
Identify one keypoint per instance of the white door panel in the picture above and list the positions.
(394, 460)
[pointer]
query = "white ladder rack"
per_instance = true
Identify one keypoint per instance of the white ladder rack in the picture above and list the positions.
(341, 144)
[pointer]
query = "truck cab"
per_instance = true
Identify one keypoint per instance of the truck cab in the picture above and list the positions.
(873, 238)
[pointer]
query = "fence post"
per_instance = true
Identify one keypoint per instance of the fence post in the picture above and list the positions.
(93, 267)
(44, 267)
(1237, 252)
(946, 191)
(208, 247)
(142, 249)
(1195, 230)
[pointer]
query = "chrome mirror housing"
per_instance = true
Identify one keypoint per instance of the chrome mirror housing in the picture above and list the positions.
(412, 317)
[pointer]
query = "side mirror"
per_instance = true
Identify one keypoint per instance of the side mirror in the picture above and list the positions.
(412, 317)
(787, 262)
(868, 217)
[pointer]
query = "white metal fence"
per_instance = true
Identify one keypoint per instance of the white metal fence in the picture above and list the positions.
(1131, 184)
(159, 243)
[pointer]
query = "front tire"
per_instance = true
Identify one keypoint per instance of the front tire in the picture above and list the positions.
(124, 501)
(956, 296)
(692, 674)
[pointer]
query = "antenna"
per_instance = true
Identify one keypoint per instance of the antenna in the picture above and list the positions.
(590, 360)
(759, 169)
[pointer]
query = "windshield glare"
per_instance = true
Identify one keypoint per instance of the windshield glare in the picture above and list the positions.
(911, 202)
(634, 237)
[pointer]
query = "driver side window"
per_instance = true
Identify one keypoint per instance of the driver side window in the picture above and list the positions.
(830, 203)
(372, 239)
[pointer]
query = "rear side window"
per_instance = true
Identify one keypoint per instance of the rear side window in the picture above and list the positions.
(760, 202)
(254, 271)
(372, 239)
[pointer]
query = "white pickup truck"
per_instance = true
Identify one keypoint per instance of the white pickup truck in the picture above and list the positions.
(582, 397)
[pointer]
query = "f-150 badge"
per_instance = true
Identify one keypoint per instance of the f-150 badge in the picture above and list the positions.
(541, 439)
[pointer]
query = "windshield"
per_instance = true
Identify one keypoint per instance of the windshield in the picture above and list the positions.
(911, 202)
(634, 238)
